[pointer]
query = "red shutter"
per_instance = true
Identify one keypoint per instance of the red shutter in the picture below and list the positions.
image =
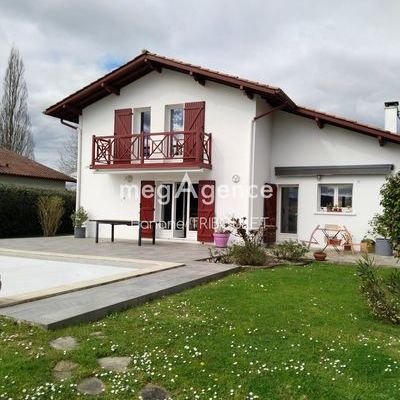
(206, 211)
(270, 214)
(147, 207)
(123, 127)
(194, 122)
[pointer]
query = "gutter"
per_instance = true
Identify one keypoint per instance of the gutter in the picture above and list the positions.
(252, 151)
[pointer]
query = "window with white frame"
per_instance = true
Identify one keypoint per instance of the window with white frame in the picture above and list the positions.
(336, 198)
(174, 122)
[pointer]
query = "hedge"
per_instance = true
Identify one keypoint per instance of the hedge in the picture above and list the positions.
(18, 211)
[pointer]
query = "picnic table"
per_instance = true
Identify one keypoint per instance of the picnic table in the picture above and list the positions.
(114, 222)
(335, 236)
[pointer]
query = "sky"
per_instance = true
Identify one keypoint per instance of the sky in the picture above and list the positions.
(336, 56)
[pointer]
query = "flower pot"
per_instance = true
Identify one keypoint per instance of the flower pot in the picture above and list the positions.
(80, 232)
(221, 239)
(319, 256)
(383, 247)
(334, 242)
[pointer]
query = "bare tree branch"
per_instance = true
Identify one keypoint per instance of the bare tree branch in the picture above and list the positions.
(69, 155)
(15, 124)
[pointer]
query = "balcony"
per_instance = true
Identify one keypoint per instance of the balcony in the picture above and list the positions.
(164, 150)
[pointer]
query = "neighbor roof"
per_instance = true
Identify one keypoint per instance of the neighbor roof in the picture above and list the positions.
(71, 107)
(14, 164)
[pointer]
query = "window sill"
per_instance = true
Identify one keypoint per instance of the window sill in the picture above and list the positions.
(350, 214)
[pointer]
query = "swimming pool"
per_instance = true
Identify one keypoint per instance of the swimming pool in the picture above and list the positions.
(27, 278)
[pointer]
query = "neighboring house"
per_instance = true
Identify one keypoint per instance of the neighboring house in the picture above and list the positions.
(22, 171)
(155, 119)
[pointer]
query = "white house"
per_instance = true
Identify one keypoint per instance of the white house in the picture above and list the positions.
(155, 119)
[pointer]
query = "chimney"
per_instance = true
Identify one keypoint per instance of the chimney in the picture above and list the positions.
(391, 115)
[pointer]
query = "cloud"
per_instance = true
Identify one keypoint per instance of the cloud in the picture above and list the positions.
(340, 57)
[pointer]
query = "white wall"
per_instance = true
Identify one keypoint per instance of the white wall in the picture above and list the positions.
(298, 141)
(228, 117)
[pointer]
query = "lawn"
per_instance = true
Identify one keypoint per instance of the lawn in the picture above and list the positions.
(285, 333)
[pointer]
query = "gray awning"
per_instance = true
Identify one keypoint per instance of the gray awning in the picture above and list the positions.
(376, 169)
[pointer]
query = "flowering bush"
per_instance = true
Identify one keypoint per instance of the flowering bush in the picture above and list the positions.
(249, 250)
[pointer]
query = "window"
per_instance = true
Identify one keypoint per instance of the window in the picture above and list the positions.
(142, 122)
(145, 118)
(176, 119)
(174, 122)
(336, 198)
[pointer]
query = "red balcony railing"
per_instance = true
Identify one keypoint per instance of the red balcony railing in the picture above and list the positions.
(152, 150)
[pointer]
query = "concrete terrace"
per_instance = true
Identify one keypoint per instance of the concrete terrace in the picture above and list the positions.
(178, 263)
(176, 252)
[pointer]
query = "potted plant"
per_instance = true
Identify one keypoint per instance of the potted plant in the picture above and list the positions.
(221, 235)
(79, 217)
(319, 255)
(367, 245)
(329, 207)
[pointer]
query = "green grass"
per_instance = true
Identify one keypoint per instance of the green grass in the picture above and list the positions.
(288, 333)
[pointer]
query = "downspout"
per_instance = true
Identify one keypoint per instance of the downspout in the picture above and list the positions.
(252, 154)
(79, 161)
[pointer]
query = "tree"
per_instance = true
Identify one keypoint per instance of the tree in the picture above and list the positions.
(15, 124)
(387, 223)
(69, 155)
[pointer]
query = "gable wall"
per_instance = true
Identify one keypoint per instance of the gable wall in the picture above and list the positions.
(228, 117)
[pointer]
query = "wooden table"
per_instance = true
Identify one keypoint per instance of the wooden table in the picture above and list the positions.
(114, 222)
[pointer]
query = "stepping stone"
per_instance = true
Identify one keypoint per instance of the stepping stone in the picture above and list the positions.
(117, 364)
(153, 392)
(91, 386)
(98, 335)
(64, 343)
(63, 370)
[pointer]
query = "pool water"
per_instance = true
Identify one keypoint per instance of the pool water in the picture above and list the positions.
(21, 276)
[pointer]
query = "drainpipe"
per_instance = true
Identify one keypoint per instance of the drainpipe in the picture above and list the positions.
(252, 150)
(79, 161)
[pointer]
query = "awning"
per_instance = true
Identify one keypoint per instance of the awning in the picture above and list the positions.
(327, 170)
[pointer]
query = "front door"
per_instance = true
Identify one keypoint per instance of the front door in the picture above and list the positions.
(288, 210)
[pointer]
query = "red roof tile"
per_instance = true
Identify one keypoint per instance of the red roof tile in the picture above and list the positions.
(70, 107)
(14, 164)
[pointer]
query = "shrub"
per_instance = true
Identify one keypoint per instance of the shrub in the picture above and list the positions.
(239, 228)
(18, 211)
(289, 250)
(79, 217)
(387, 223)
(382, 294)
(50, 211)
(249, 251)
(248, 254)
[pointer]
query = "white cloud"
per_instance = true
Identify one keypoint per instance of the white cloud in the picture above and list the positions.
(339, 57)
